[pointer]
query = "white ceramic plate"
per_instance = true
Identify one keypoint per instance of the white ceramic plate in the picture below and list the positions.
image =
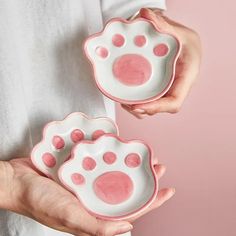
(133, 61)
(114, 179)
(60, 136)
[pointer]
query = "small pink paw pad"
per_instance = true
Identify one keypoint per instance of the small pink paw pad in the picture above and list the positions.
(60, 137)
(112, 178)
(133, 62)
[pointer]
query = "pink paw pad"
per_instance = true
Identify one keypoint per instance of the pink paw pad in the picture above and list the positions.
(132, 160)
(49, 160)
(58, 142)
(96, 134)
(88, 163)
(113, 187)
(77, 179)
(102, 52)
(140, 40)
(118, 40)
(77, 135)
(109, 157)
(161, 50)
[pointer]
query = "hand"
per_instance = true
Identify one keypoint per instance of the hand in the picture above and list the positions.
(162, 196)
(47, 202)
(40, 198)
(187, 67)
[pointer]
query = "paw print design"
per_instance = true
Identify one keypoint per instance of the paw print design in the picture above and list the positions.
(133, 61)
(113, 179)
(60, 136)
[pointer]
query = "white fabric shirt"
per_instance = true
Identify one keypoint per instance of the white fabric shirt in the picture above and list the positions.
(44, 75)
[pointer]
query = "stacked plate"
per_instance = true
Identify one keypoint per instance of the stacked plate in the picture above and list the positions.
(113, 178)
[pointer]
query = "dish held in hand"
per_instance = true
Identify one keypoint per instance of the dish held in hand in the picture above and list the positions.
(114, 179)
(133, 61)
(60, 136)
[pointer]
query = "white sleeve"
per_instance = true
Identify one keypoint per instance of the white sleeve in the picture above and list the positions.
(126, 8)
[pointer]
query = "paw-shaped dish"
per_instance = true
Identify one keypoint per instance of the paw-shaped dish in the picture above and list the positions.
(113, 178)
(60, 136)
(133, 61)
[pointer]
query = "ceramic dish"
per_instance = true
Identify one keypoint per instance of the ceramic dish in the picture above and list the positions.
(60, 136)
(133, 61)
(113, 179)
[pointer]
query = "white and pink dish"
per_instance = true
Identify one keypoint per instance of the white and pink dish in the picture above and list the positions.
(60, 136)
(113, 179)
(133, 61)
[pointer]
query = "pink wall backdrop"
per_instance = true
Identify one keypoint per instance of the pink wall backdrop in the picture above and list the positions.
(198, 145)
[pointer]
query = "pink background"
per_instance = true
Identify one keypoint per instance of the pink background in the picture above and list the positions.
(198, 145)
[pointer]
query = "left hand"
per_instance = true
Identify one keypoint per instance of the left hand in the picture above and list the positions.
(187, 67)
(162, 196)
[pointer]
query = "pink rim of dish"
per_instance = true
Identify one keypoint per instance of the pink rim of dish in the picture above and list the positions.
(59, 122)
(130, 22)
(151, 163)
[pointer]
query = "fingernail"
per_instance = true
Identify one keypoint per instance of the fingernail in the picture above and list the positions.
(126, 105)
(130, 106)
(173, 190)
(139, 110)
(123, 228)
(142, 116)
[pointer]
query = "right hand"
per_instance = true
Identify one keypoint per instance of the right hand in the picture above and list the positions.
(29, 193)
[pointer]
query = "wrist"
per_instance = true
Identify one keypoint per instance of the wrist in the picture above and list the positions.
(8, 187)
(6, 173)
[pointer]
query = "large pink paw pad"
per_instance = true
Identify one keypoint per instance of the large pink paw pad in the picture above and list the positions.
(132, 69)
(113, 187)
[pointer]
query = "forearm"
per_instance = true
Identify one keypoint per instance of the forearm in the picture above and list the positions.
(7, 185)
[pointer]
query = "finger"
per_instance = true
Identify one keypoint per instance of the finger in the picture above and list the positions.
(110, 228)
(130, 108)
(155, 161)
(107, 228)
(80, 221)
(157, 19)
(83, 234)
(137, 115)
(160, 170)
(187, 70)
(162, 196)
(165, 104)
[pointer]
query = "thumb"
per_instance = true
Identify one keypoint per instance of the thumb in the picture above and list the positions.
(157, 20)
(109, 228)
